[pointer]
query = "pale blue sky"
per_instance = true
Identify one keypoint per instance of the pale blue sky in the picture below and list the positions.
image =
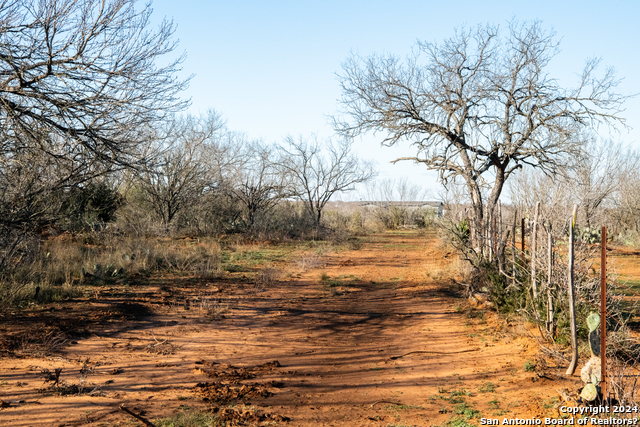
(269, 66)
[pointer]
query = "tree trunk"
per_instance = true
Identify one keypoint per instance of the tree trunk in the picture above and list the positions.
(522, 243)
(572, 303)
(514, 249)
(476, 225)
(489, 235)
(550, 310)
(481, 231)
(490, 210)
(501, 243)
(478, 228)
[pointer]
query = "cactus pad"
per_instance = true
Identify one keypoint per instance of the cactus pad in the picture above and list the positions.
(593, 321)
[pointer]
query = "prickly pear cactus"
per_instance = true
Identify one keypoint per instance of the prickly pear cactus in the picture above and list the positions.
(593, 321)
(591, 374)
(589, 393)
(594, 343)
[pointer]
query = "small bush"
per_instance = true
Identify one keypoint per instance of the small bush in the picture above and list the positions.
(190, 419)
(391, 217)
(286, 221)
(507, 299)
(462, 231)
(487, 388)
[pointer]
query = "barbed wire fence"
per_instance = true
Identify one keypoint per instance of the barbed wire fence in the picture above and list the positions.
(550, 274)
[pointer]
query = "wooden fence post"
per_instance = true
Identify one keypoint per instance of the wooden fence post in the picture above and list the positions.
(572, 303)
(489, 236)
(522, 242)
(495, 235)
(534, 248)
(515, 219)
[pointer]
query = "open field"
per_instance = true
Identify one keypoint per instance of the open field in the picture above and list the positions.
(371, 332)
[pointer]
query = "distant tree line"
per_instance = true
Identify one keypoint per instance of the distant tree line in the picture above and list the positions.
(206, 179)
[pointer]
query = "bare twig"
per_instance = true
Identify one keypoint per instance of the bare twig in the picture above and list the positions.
(384, 401)
(566, 396)
(134, 415)
(434, 352)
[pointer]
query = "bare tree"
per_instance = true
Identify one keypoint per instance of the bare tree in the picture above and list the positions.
(394, 190)
(478, 106)
(314, 174)
(599, 174)
(626, 204)
(182, 171)
(257, 185)
(80, 77)
(79, 84)
(598, 180)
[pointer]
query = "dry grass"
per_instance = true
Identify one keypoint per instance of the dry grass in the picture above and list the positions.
(60, 268)
(42, 343)
(64, 261)
(210, 304)
(266, 277)
(308, 261)
(624, 382)
(215, 309)
(436, 268)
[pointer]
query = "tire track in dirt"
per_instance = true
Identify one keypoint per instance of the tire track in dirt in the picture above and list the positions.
(390, 310)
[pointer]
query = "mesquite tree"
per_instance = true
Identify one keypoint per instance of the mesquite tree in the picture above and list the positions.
(478, 106)
(257, 183)
(315, 171)
(183, 167)
(80, 78)
(79, 82)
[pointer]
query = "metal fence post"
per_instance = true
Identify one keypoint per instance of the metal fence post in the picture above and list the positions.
(603, 314)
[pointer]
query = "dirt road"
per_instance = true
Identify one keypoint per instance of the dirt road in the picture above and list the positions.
(370, 337)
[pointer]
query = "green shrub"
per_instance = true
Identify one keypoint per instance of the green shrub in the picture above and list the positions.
(462, 231)
(85, 206)
(505, 298)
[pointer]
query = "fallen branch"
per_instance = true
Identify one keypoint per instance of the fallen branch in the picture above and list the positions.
(134, 415)
(564, 393)
(156, 340)
(384, 401)
(434, 352)
(553, 353)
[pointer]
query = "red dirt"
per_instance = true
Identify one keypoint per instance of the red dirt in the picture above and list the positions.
(386, 345)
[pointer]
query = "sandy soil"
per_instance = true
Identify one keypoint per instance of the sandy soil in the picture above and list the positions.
(382, 339)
